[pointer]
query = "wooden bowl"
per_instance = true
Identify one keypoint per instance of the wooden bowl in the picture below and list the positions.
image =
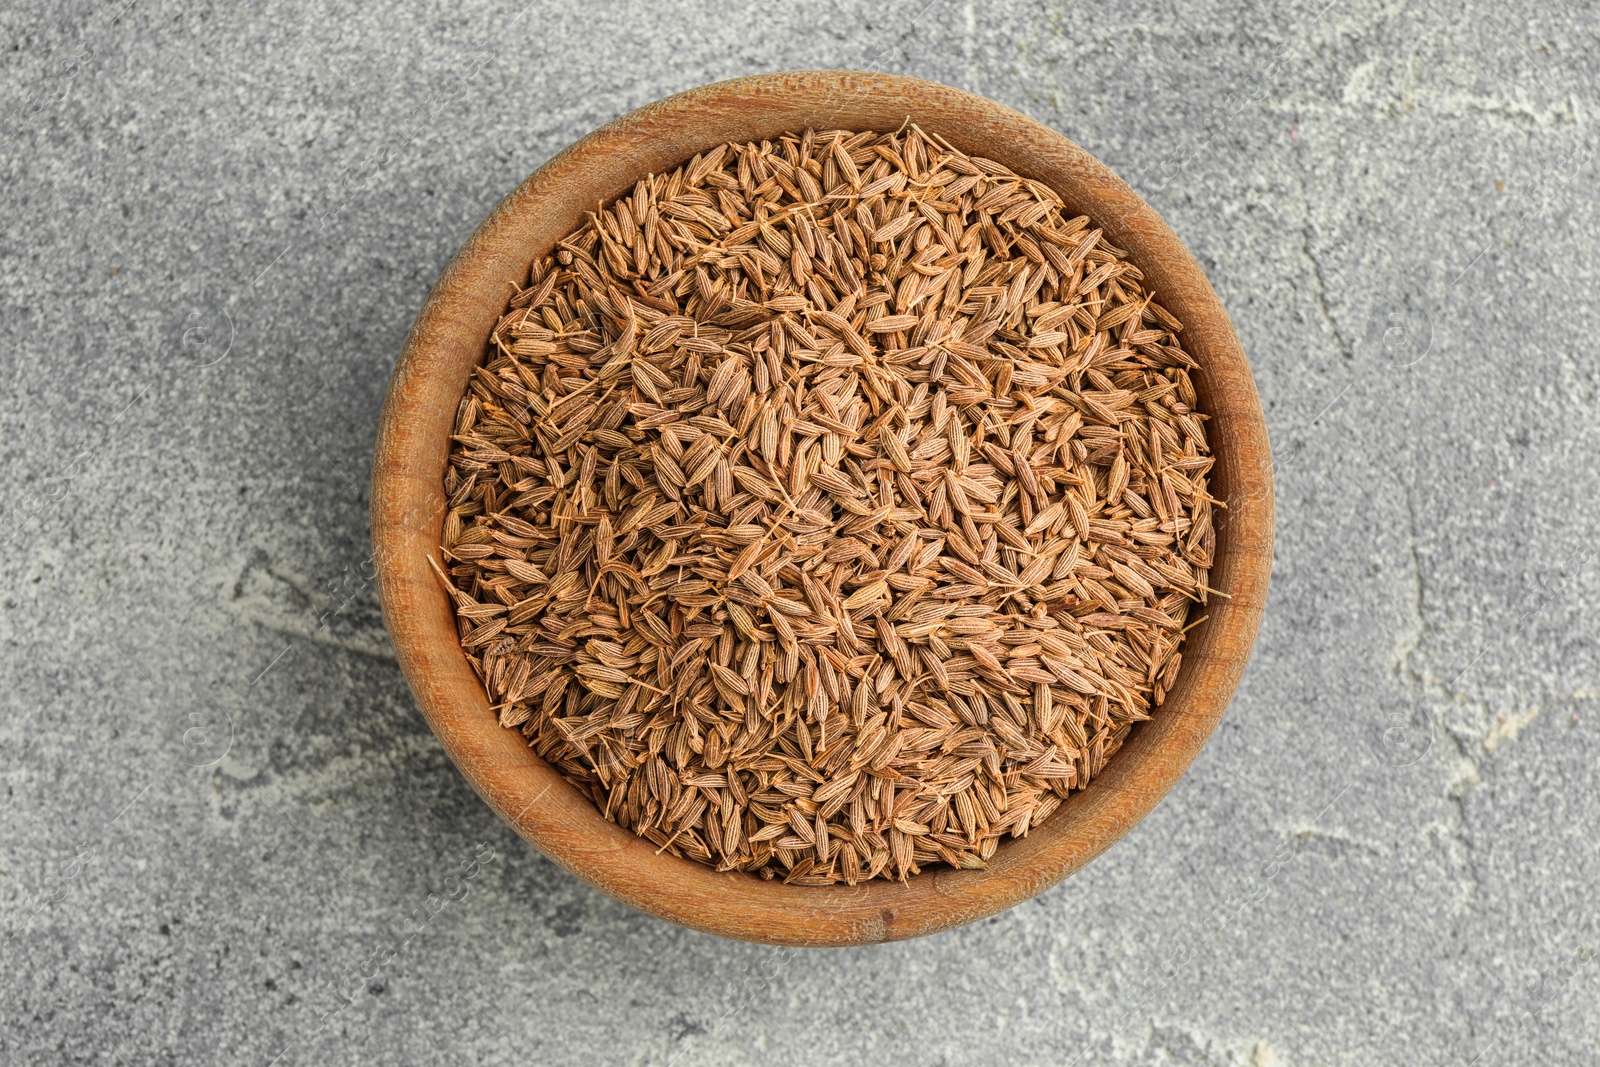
(408, 508)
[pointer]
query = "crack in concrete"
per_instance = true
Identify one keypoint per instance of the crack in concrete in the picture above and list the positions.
(286, 604)
(1474, 732)
(241, 786)
(1336, 843)
(1479, 734)
(1468, 770)
(375, 646)
(1407, 644)
(1492, 109)
(1316, 265)
(1423, 681)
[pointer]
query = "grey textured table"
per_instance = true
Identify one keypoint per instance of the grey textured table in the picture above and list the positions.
(229, 837)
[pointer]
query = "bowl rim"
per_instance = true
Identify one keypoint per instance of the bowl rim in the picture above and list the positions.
(449, 338)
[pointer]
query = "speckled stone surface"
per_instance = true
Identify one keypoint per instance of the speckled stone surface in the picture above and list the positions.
(227, 835)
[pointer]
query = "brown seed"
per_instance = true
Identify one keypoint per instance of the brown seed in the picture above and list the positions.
(824, 516)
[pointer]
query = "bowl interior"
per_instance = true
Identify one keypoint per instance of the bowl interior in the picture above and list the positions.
(449, 338)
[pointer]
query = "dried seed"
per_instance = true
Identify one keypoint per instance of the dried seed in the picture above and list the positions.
(830, 507)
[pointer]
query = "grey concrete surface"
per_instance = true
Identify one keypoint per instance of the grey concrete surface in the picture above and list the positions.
(228, 837)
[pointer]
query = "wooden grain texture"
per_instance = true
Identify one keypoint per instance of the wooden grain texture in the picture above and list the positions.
(448, 339)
